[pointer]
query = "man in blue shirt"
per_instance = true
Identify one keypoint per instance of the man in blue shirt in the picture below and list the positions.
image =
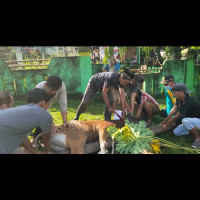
(16, 122)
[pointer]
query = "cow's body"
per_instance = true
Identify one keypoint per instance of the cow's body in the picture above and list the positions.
(83, 133)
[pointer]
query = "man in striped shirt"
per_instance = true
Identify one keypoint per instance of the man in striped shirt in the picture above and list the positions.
(147, 104)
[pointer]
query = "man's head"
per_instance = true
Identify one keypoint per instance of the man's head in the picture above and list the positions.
(168, 80)
(38, 96)
(6, 100)
(179, 90)
(135, 79)
(52, 85)
(125, 78)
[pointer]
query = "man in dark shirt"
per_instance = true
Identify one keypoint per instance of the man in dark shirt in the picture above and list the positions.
(187, 118)
(102, 82)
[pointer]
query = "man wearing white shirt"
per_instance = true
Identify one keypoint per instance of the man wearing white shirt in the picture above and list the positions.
(56, 89)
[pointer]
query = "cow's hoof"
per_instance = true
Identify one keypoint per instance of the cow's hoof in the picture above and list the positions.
(100, 152)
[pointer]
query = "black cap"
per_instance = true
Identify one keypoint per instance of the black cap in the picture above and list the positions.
(128, 74)
(167, 78)
(180, 87)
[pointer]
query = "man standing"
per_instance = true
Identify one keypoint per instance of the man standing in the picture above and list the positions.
(56, 89)
(16, 122)
(102, 82)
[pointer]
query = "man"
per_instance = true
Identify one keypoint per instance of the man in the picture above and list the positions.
(133, 86)
(6, 100)
(56, 89)
(189, 112)
(147, 104)
(184, 107)
(102, 82)
(168, 81)
(16, 122)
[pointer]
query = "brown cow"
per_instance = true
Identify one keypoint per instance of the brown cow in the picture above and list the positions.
(84, 132)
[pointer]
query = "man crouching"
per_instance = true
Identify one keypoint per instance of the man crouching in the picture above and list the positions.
(16, 122)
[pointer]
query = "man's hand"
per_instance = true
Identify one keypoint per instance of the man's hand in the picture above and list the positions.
(66, 124)
(55, 129)
(123, 115)
(163, 122)
(111, 110)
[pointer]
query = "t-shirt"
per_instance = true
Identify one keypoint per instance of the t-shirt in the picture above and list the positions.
(107, 79)
(188, 108)
(16, 122)
(129, 88)
(60, 96)
(143, 96)
(170, 100)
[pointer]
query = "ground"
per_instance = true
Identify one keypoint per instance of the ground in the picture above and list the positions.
(95, 112)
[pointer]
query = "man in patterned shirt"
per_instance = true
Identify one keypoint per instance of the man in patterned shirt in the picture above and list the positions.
(147, 104)
(102, 82)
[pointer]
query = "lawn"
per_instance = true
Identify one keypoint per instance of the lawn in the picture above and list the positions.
(95, 111)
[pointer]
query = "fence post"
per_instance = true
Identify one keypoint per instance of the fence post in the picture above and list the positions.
(86, 71)
(6, 78)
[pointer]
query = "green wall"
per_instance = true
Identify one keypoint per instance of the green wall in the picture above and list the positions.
(76, 71)
(183, 71)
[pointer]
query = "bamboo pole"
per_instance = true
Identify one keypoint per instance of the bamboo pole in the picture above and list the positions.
(28, 65)
(11, 61)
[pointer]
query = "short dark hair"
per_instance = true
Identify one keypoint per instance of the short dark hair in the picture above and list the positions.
(54, 82)
(36, 95)
(4, 98)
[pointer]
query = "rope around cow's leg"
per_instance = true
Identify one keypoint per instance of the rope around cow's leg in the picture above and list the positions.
(35, 140)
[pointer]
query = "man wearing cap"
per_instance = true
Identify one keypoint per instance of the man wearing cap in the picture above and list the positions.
(168, 81)
(188, 112)
(102, 82)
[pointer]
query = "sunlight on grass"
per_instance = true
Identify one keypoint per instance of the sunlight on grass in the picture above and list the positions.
(95, 111)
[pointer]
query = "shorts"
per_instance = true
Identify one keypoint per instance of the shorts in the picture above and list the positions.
(115, 94)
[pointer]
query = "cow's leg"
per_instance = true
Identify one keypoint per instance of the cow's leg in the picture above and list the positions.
(76, 141)
(103, 137)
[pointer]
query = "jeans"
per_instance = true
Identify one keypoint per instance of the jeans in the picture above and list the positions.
(187, 125)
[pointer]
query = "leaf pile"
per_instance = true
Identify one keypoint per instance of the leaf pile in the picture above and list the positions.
(132, 138)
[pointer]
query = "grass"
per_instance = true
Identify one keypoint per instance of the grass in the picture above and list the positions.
(95, 111)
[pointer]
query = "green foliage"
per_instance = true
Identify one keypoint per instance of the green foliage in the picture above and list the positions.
(109, 53)
(132, 138)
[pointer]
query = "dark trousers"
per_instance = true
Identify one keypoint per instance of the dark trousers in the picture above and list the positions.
(89, 93)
